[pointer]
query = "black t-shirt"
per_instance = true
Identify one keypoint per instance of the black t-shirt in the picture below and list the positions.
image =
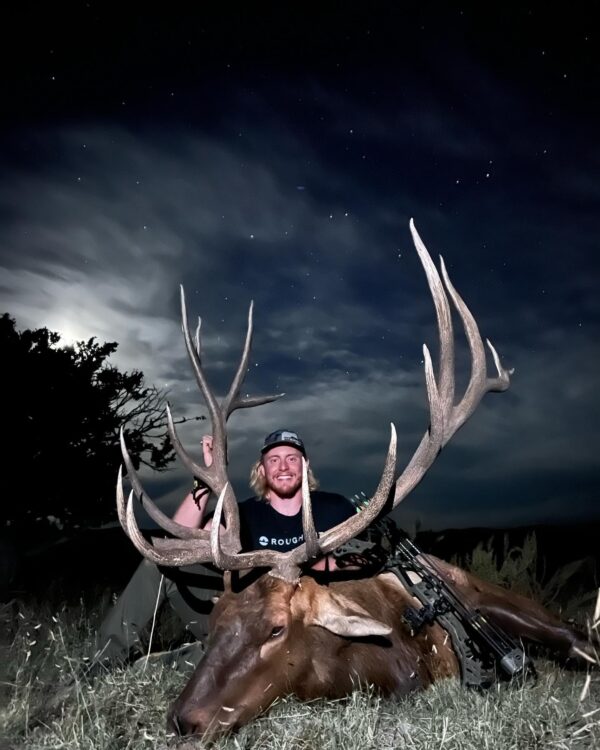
(261, 527)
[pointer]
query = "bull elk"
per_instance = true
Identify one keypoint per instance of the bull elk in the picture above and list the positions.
(285, 633)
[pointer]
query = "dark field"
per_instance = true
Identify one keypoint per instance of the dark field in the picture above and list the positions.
(69, 569)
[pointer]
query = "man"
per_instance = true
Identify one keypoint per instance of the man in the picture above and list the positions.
(272, 519)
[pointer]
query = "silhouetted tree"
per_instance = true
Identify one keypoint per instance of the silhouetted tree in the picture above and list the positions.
(63, 409)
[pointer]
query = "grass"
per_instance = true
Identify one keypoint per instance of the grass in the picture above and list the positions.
(522, 570)
(124, 709)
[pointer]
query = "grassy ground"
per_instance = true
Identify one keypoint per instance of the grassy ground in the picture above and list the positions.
(126, 708)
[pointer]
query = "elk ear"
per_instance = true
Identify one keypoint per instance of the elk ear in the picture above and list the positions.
(342, 616)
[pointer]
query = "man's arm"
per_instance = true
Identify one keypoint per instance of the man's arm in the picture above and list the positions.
(190, 514)
(326, 563)
(191, 511)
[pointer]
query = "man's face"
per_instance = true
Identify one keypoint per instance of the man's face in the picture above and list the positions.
(282, 469)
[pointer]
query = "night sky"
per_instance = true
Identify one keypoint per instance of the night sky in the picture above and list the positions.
(278, 156)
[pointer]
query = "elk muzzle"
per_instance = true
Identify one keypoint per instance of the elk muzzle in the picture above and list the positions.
(205, 722)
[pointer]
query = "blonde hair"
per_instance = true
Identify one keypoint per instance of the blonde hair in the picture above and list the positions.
(259, 484)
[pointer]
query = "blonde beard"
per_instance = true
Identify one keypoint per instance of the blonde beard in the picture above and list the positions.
(286, 495)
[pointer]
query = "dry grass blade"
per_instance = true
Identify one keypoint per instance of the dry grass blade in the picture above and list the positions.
(596, 617)
(585, 656)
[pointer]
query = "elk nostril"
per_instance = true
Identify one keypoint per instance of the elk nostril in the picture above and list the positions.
(173, 724)
(182, 724)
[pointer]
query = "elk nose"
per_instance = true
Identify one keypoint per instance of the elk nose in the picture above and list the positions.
(182, 724)
(196, 721)
(173, 724)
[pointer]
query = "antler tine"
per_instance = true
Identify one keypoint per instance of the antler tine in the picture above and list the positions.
(185, 555)
(249, 401)
(121, 504)
(333, 538)
(479, 382)
(166, 523)
(134, 533)
(228, 404)
(311, 537)
(502, 381)
(232, 400)
(220, 558)
(197, 338)
(443, 315)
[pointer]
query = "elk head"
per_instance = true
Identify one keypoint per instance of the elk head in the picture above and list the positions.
(263, 639)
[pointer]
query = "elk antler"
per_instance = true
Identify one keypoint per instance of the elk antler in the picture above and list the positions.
(221, 546)
(193, 545)
(447, 418)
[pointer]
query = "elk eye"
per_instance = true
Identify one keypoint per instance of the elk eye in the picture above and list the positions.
(277, 631)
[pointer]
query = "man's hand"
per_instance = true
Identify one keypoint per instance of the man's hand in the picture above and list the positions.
(201, 491)
(207, 450)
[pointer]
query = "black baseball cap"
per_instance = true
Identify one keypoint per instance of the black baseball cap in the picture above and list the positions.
(283, 437)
